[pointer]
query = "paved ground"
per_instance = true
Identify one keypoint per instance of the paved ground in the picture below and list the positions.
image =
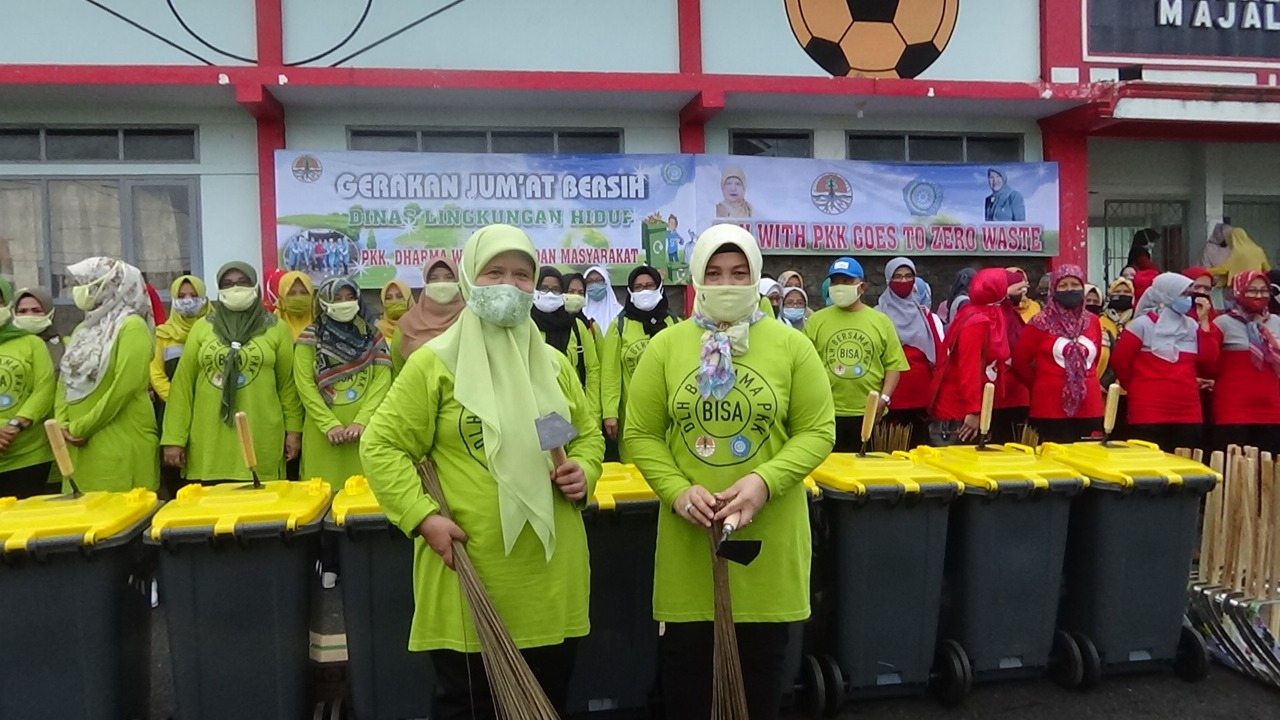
(1224, 695)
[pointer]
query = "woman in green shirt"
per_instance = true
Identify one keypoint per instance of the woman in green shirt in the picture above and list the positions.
(567, 333)
(102, 402)
(26, 399)
(727, 415)
(519, 515)
(644, 315)
(239, 357)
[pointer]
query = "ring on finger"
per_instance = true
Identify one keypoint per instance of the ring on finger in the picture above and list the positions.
(688, 508)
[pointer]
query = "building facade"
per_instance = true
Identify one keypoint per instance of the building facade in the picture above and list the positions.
(147, 130)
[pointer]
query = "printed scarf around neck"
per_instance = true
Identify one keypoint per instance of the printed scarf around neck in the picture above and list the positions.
(720, 343)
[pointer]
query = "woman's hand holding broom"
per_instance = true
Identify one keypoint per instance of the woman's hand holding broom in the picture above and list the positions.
(440, 532)
(697, 505)
(745, 497)
(571, 481)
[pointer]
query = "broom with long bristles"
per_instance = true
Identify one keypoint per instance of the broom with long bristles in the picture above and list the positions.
(516, 692)
(728, 691)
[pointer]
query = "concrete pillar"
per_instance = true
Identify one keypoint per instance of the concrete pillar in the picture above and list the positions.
(1208, 168)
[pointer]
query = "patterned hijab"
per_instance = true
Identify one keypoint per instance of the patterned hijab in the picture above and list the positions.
(1263, 346)
(1070, 325)
(343, 349)
(120, 293)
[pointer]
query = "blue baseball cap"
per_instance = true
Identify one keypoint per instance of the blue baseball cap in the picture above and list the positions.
(847, 267)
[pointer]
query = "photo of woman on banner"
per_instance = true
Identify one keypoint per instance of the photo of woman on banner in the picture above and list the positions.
(1004, 204)
(733, 187)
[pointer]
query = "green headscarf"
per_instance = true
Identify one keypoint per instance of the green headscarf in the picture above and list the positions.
(511, 380)
(9, 331)
(236, 329)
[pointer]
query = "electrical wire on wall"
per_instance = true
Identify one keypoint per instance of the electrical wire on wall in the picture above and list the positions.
(177, 16)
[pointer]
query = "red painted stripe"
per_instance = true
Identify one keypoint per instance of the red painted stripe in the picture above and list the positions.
(271, 137)
(1061, 35)
(689, 29)
(269, 17)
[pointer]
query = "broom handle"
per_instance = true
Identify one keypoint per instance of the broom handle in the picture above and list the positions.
(59, 445)
(246, 441)
(988, 402)
(869, 415)
(1113, 407)
(1209, 530)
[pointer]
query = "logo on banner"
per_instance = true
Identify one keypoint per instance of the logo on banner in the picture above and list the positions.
(729, 431)
(307, 169)
(923, 197)
(873, 38)
(831, 193)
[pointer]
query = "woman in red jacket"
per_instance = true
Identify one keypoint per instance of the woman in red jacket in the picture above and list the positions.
(977, 350)
(1246, 396)
(1013, 398)
(1057, 357)
(1158, 359)
(921, 336)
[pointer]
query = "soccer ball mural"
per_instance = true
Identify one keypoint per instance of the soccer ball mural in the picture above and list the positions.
(873, 38)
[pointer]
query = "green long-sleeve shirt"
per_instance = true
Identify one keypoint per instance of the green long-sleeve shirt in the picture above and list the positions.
(585, 359)
(268, 396)
(621, 351)
(778, 421)
(26, 391)
(117, 419)
(355, 398)
(541, 602)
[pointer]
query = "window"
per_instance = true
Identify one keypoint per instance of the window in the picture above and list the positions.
(766, 143)
(934, 148)
(47, 224)
(97, 144)
(484, 141)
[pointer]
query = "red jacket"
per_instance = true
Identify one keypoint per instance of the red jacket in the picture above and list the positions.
(965, 372)
(1242, 393)
(1162, 392)
(1036, 363)
(915, 387)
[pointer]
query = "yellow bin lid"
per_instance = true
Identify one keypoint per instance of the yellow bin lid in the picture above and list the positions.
(1129, 464)
(355, 499)
(227, 508)
(895, 473)
(90, 519)
(1002, 468)
(621, 483)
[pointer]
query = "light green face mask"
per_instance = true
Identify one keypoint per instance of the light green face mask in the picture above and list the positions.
(845, 295)
(728, 303)
(85, 296)
(573, 304)
(34, 324)
(5, 315)
(442, 293)
(502, 305)
(343, 312)
(238, 299)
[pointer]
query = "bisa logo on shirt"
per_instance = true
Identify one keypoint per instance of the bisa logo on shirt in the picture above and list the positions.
(631, 354)
(213, 357)
(13, 382)
(729, 431)
(846, 354)
(349, 389)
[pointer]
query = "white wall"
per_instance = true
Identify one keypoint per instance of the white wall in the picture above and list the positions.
(604, 35)
(830, 131)
(227, 170)
(993, 40)
(327, 129)
(74, 32)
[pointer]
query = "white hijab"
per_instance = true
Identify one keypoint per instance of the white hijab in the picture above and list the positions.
(121, 293)
(602, 312)
(1172, 328)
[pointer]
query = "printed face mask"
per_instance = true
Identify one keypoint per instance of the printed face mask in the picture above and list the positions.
(343, 312)
(574, 303)
(845, 295)
(238, 299)
(547, 301)
(646, 300)
(501, 305)
(188, 306)
(441, 292)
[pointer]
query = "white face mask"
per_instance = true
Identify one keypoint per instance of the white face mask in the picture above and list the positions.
(343, 312)
(646, 300)
(238, 299)
(34, 324)
(548, 302)
(574, 303)
(441, 292)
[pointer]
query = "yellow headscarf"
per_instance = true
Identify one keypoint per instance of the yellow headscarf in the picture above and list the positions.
(1027, 308)
(511, 380)
(1245, 255)
(390, 315)
(176, 327)
(292, 311)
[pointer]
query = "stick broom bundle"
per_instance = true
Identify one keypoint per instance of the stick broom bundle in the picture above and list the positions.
(728, 692)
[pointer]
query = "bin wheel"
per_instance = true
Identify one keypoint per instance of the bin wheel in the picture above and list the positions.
(1191, 662)
(1092, 662)
(1066, 664)
(952, 675)
(834, 680)
(813, 688)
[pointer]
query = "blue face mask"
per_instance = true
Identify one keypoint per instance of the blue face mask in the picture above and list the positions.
(793, 314)
(596, 291)
(1182, 305)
